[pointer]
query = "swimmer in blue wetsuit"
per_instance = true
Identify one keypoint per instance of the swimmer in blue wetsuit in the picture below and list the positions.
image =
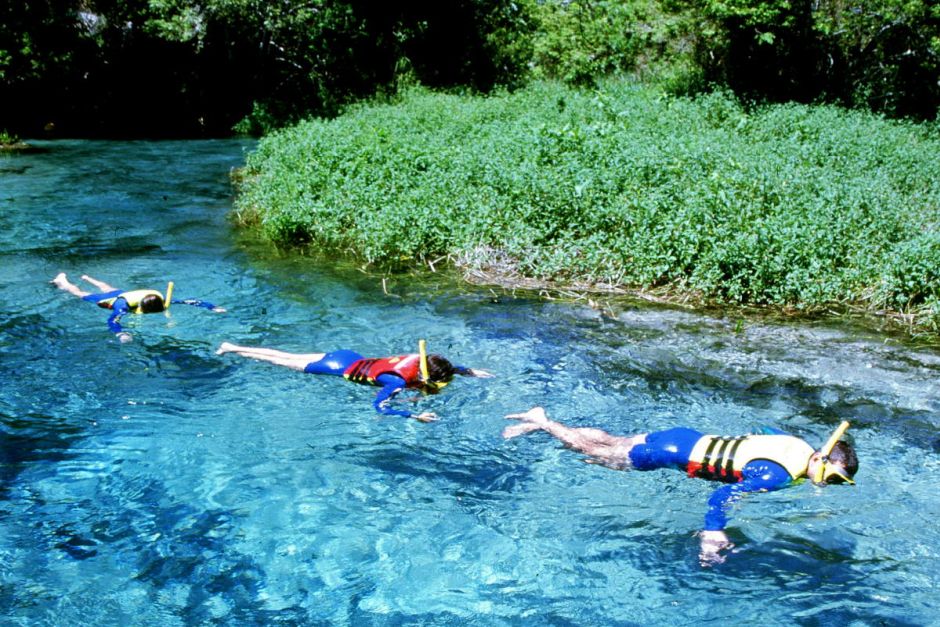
(392, 374)
(752, 463)
(121, 302)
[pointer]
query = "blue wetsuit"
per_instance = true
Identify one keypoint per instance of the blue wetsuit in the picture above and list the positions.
(337, 362)
(672, 449)
(120, 307)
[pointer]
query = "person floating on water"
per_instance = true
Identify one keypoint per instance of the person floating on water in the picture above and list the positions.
(428, 373)
(750, 463)
(121, 302)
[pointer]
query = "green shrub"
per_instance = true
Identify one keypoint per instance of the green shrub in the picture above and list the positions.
(786, 204)
(912, 278)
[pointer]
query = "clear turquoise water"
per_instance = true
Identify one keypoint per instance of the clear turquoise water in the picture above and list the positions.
(155, 483)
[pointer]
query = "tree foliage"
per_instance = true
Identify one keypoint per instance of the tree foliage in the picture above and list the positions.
(883, 55)
(193, 66)
(879, 54)
(189, 67)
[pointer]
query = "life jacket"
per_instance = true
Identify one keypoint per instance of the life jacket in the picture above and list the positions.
(366, 371)
(723, 459)
(133, 299)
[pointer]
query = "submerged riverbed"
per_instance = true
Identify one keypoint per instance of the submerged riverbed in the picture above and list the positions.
(158, 483)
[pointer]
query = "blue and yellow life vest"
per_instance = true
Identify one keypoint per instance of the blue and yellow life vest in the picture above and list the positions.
(723, 458)
(133, 299)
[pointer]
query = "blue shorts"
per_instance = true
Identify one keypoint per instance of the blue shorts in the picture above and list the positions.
(665, 449)
(97, 298)
(333, 363)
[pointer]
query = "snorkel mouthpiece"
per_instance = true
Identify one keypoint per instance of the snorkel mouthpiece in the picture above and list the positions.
(824, 470)
(169, 295)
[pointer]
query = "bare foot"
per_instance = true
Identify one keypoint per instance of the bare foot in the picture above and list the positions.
(59, 280)
(225, 347)
(535, 415)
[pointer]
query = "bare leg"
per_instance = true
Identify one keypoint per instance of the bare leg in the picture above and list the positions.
(605, 448)
(297, 361)
(62, 282)
(101, 285)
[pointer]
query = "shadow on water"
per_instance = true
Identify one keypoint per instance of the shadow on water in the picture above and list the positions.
(87, 247)
(35, 427)
(469, 477)
(196, 550)
(172, 546)
(190, 366)
(31, 438)
(822, 582)
(14, 169)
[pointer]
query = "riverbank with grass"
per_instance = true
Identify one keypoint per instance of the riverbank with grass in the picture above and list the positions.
(795, 207)
(12, 143)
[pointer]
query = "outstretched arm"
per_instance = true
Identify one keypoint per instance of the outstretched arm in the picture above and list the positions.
(197, 303)
(118, 309)
(762, 476)
(392, 385)
(471, 372)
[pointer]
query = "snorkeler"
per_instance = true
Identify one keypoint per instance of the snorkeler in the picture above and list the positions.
(121, 302)
(750, 463)
(428, 373)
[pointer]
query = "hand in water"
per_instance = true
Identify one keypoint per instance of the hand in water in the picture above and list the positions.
(712, 544)
(427, 416)
(125, 337)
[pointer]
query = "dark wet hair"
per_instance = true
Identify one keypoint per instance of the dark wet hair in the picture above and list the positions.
(844, 455)
(439, 369)
(151, 303)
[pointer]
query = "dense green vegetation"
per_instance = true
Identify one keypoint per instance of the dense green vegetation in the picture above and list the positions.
(789, 205)
(200, 67)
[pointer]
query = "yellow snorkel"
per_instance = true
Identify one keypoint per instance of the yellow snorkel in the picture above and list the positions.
(423, 352)
(425, 375)
(169, 295)
(823, 470)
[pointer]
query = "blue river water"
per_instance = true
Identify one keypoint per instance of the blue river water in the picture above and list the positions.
(157, 483)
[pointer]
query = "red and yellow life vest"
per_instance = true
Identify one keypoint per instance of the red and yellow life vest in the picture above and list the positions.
(133, 299)
(722, 459)
(366, 371)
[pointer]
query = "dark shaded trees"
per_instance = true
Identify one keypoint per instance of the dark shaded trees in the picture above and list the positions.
(199, 67)
(192, 67)
(883, 55)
